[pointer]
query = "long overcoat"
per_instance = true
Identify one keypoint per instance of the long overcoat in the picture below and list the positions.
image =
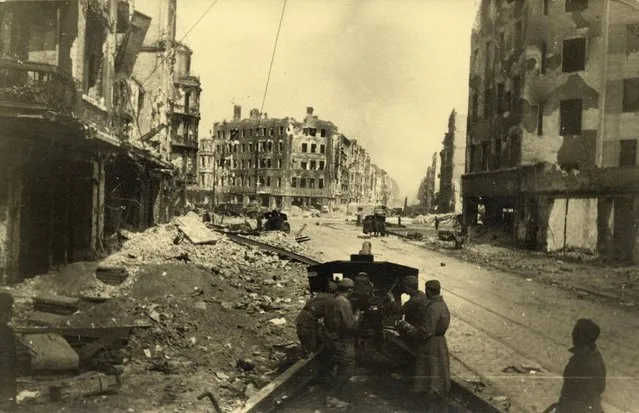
(432, 364)
(584, 382)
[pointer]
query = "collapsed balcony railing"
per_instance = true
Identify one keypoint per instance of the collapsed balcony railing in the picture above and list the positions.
(36, 86)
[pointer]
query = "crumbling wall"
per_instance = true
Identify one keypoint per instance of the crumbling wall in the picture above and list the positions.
(572, 223)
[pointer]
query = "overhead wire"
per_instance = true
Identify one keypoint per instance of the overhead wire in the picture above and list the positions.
(180, 41)
(268, 80)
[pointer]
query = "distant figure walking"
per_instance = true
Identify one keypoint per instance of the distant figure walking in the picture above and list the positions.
(585, 373)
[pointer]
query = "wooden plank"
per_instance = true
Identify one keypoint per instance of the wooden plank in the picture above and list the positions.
(195, 230)
(57, 300)
(285, 385)
(113, 332)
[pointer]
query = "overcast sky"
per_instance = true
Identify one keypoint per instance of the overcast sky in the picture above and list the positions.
(386, 72)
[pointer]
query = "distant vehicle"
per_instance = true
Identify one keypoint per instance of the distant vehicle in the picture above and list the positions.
(452, 231)
(324, 209)
(276, 221)
(231, 210)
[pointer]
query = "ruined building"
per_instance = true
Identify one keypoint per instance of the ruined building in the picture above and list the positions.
(164, 65)
(75, 162)
(452, 165)
(552, 136)
(281, 162)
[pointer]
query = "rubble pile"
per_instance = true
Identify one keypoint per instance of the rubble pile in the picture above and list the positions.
(287, 242)
(222, 308)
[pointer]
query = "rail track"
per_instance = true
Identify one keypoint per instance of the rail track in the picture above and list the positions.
(291, 391)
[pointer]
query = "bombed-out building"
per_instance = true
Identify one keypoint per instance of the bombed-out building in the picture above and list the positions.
(76, 162)
(554, 122)
(281, 162)
(452, 165)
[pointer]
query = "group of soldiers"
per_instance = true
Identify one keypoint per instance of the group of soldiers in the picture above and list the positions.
(332, 319)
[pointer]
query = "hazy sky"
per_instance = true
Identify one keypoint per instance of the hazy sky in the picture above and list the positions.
(386, 72)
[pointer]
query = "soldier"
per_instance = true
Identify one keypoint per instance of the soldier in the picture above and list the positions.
(426, 332)
(341, 324)
(308, 320)
(585, 374)
(8, 385)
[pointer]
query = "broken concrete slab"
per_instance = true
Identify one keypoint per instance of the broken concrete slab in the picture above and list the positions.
(195, 230)
(111, 275)
(56, 304)
(51, 352)
(40, 318)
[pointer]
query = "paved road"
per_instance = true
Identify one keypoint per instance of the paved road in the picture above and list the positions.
(500, 319)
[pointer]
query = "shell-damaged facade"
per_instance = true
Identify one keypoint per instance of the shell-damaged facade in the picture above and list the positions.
(554, 121)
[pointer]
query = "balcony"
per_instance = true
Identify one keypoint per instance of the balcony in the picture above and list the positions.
(36, 87)
(184, 141)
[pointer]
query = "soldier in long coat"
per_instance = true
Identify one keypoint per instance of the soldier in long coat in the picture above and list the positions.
(585, 373)
(427, 332)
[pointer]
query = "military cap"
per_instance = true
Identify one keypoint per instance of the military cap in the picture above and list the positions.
(433, 284)
(586, 330)
(346, 283)
(410, 280)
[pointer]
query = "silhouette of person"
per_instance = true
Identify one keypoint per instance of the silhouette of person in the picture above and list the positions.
(585, 373)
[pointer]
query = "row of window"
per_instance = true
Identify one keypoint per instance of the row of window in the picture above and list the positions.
(262, 146)
(570, 5)
(307, 182)
(487, 162)
(244, 133)
(266, 181)
(263, 163)
(313, 148)
(313, 132)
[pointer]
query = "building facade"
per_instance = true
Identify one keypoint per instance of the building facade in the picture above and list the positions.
(452, 165)
(172, 99)
(281, 162)
(552, 136)
(74, 167)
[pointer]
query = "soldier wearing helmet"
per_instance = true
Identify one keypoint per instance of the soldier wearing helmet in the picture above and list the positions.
(308, 321)
(341, 324)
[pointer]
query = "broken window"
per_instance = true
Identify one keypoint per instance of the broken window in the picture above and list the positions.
(261, 181)
(280, 146)
(304, 147)
(294, 182)
(323, 133)
(313, 165)
(321, 165)
(474, 105)
(546, 7)
(313, 147)
(263, 131)
(631, 95)
(250, 147)
(473, 160)
(518, 35)
(244, 133)
(303, 183)
(500, 98)
(279, 164)
(574, 55)
(243, 164)
(488, 101)
(312, 131)
(250, 163)
(303, 164)
(311, 183)
(322, 148)
(269, 162)
(570, 117)
(281, 130)
(270, 146)
(279, 182)
(540, 120)
(485, 155)
(243, 147)
(305, 131)
(235, 148)
(516, 108)
(320, 183)
(271, 132)
(628, 152)
(248, 181)
(576, 5)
